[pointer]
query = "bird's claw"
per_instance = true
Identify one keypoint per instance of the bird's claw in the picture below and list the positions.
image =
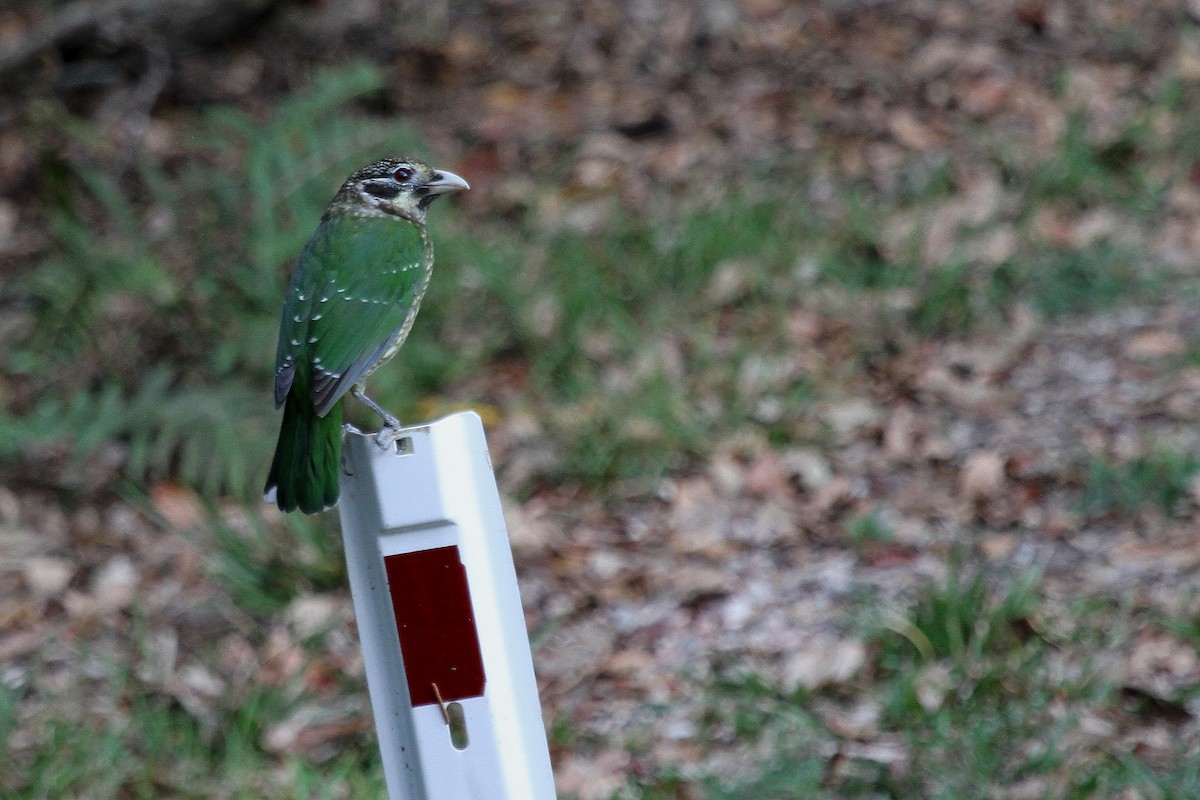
(385, 438)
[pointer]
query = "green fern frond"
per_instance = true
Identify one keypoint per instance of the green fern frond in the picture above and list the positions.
(212, 438)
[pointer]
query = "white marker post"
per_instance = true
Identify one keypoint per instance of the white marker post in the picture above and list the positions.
(443, 634)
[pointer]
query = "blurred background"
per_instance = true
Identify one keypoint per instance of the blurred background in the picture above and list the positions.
(840, 362)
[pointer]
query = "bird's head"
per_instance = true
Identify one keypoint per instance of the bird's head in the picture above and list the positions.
(399, 187)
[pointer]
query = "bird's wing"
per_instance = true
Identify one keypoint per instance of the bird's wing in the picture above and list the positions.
(354, 284)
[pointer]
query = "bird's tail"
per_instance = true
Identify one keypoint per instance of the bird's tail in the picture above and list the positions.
(307, 464)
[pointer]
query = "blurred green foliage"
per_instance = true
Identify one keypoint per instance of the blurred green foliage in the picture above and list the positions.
(636, 344)
(156, 748)
(154, 315)
(1160, 480)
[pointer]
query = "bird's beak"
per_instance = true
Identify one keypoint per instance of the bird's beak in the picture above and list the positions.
(444, 182)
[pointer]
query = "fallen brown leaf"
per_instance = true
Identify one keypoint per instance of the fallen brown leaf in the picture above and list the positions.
(982, 476)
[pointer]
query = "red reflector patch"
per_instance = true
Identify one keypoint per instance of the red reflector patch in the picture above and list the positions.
(436, 625)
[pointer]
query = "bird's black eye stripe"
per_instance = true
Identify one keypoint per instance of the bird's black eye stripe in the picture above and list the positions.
(384, 191)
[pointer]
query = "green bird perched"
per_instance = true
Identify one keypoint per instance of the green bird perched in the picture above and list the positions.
(350, 304)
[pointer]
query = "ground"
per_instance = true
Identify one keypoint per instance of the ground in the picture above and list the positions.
(838, 360)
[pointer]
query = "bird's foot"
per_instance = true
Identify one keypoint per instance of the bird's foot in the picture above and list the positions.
(388, 420)
(347, 428)
(386, 437)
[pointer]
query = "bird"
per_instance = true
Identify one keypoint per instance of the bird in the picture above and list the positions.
(350, 303)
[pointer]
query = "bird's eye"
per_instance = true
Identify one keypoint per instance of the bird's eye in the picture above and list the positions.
(402, 174)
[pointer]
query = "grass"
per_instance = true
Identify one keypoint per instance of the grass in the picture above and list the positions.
(636, 348)
(969, 698)
(869, 528)
(1159, 481)
(631, 340)
(264, 567)
(970, 704)
(154, 748)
